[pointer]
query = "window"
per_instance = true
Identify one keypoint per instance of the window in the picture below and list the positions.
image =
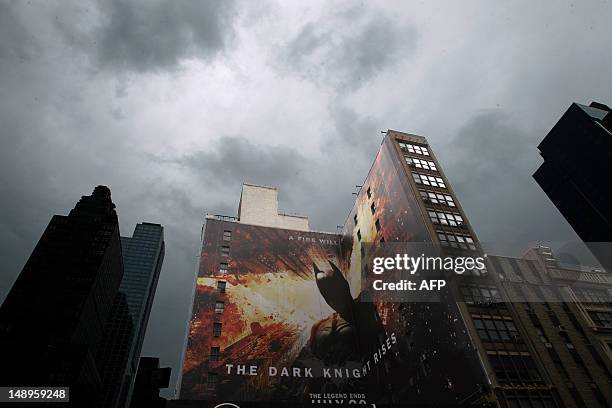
(444, 218)
(359, 235)
(223, 268)
(428, 180)
(382, 240)
(215, 354)
(362, 252)
(456, 241)
(211, 381)
(415, 149)
(227, 235)
(421, 164)
(480, 294)
(217, 326)
(373, 208)
(516, 369)
(437, 198)
(496, 329)
(221, 286)
(602, 319)
(377, 224)
(225, 250)
(355, 219)
(369, 192)
(591, 295)
(219, 306)
(542, 335)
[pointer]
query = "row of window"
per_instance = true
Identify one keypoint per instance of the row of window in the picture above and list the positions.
(480, 294)
(515, 368)
(414, 149)
(591, 295)
(376, 223)
(445, 218)
(427, 180)
(437, 198)
(421, 164)
(219, 307)
(225, 249)
(496, 329)
(602, 319)
(215, 352)
(456, 240)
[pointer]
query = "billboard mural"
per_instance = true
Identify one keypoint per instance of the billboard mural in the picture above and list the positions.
(283, 316)
(288, 328)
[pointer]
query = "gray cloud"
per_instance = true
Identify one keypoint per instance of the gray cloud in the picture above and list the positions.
(348, 49)
(490, 163)
(16, 43)
(68, 124)
(153, 35)
(234, 160)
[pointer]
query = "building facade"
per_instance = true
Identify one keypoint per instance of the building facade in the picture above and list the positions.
(566, 312)
(54, 316)
(577, 155)
(143, 255)
(511, 371)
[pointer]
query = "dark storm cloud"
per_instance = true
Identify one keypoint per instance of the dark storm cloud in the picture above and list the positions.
(490, 163)
(234, 160)
(154, 35)
(16, 42)
(357, 133)
(350, 48)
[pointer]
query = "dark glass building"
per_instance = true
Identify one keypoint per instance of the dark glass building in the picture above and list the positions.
(53, 318)
(576, 173)
(143, 255)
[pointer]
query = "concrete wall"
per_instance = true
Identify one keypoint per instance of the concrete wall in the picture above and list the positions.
(259, 206)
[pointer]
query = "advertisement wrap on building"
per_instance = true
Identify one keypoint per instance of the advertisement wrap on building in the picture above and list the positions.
(283, 316)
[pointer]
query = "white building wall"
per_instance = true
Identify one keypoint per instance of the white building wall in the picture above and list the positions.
(259, 206)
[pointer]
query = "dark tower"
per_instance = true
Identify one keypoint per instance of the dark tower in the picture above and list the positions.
(143, 255)
(53, 318)
(576, 174)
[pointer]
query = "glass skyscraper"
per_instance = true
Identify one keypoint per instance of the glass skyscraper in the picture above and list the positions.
(143, 255)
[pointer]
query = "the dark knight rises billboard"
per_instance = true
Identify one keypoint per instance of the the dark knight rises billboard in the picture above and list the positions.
(282, 316)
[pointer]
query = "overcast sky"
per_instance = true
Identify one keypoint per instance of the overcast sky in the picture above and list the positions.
(174, 105)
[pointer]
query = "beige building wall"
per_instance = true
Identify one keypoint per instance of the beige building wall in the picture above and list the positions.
(259, 206)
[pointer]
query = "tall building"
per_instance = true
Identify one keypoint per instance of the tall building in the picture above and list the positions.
(54, 316)
(408, 198)
(143, 255)
(566, 311)
(576, 171)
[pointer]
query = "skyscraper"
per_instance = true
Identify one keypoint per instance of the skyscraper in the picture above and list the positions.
(143, 255)
(576, 174)
(54, 316)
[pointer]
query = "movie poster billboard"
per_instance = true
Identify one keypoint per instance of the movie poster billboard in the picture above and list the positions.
(288, 328)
